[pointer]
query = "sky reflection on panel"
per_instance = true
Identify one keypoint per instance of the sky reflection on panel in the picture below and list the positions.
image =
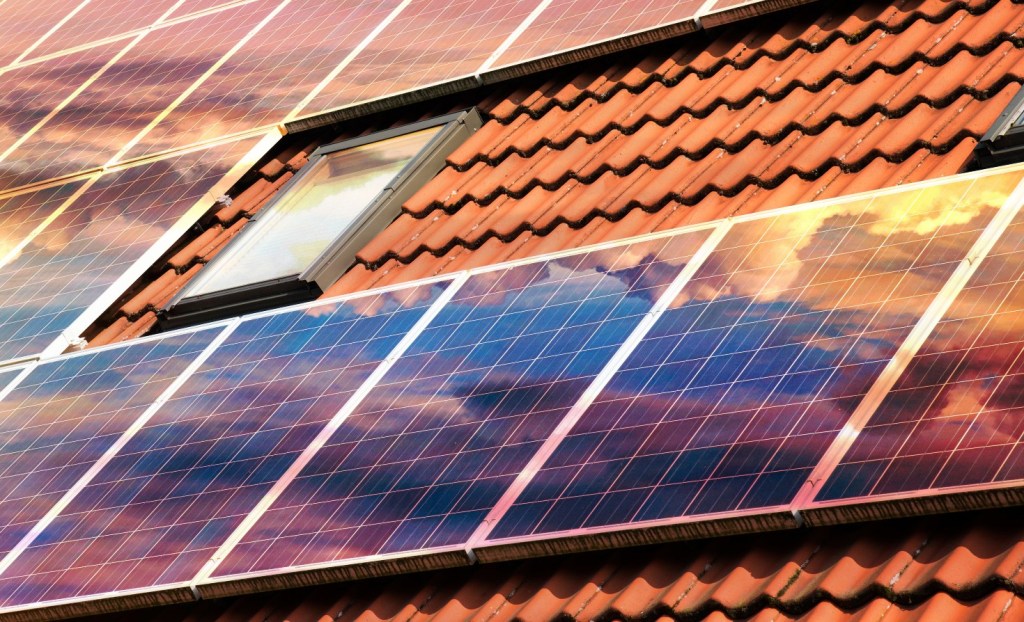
(438, 441)
(66, 413)
(954, 417)
(271, 74)
(182, 484)
(128, 95)
(738, 390)
(64, 269)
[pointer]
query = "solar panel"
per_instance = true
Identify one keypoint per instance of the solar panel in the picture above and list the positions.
(953, 419)
(68, 273)
(726, 406)
(423, 459)
(21, 214)
(129, 94)
(568, 24)
(31, 92)
(63, 417)
(24, 23)
(429, 41)
(271, 74)
(160, 508)
(93, 23)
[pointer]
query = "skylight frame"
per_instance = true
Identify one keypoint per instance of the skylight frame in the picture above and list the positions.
(188, 308)
(1003, 143)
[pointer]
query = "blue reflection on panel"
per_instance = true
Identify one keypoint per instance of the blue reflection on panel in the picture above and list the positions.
(66, 413)
(434, 446)
(739, 388)
(185, 481)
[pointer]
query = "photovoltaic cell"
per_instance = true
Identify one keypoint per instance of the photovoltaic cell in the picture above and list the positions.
(22, 213)
(93, 242)
(29, 93)
(23, 22)
(430, 41)
(423, 459)
(95, 22)
(955, 417)
(164, 504)
(740, 387)
(131, 93)
(63, 416)
(566, 24)
(271, 74)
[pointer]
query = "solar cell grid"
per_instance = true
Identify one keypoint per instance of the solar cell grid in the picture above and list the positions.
(156, 513)
(954, 418)
(567, 24)
(93, 23)
(423, 459)
(429, 42)
(66, 413)
(129, 94)
(23, 22)
(271, 74)
(741, 386)
(21, 214)
(94, 242)
(29, 93)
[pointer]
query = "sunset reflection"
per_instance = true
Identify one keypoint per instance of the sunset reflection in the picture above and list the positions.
(438, 441)
(68, 265)
(157, 512)
(955, 416)
(67, 413)
(737, 391)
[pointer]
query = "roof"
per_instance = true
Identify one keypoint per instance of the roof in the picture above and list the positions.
(818, 102)
(810, 104)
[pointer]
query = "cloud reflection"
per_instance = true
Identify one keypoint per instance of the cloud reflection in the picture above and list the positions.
(738, 389)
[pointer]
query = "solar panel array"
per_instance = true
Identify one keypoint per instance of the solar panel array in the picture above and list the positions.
(632, 392)
(85, 90)
(820, 360)
(84, 95)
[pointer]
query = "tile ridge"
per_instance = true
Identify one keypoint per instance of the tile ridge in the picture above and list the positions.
(642, 164)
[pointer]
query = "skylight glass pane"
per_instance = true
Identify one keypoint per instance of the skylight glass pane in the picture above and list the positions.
(325, 202)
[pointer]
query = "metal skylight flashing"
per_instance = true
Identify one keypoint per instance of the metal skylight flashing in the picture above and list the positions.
(223, 290)
(1003, 143)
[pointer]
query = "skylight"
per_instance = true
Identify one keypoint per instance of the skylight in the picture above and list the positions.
(308, 237)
